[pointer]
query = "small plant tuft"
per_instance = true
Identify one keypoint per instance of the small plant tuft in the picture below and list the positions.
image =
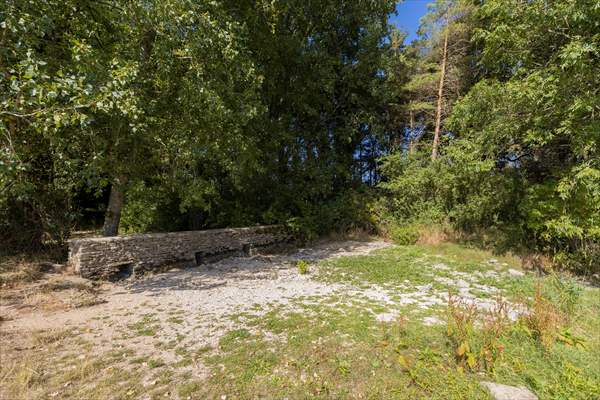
(302, 267)
(544, 319)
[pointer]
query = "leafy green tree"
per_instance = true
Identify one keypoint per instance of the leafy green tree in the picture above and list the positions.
(188, 114)
(91, 93)
(324, 89)
(537, 113)
(522, 162)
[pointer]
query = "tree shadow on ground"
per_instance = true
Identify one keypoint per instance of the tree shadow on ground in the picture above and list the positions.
(257, 267)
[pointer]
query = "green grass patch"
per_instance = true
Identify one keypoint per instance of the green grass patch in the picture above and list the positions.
(147, 326)
(334, 347)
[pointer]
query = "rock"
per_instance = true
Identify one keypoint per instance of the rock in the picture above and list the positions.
(514, 272)
(115, 258)
(505, 392)
(425, 288)
(493, 261)
(46, 266)
(386, 317)
(430, 321)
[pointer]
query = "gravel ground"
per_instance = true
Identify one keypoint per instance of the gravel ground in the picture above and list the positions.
(193, 308)
(192, 305)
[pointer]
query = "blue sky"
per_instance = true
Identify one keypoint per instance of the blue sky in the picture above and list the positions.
(409, 13)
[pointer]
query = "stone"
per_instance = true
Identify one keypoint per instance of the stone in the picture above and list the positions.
(430, 321)
(514, 272)
(46, 266)
(119, 257)
(505, 392)
(386, 317)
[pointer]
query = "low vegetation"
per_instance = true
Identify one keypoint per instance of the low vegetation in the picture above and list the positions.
(385, 337)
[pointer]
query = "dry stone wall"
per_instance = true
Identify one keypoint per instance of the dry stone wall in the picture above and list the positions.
(120, 256)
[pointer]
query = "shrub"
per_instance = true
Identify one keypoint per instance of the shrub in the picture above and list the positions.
(404, 234)
(348, 211)
(34, 222)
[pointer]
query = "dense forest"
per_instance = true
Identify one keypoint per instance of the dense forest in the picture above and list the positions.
(147, 115)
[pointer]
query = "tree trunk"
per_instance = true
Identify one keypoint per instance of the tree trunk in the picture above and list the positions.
(113, 211)
(438, 115)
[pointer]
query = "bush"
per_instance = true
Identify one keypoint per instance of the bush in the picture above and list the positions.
(34, 223)
(404, 234)
(479, 197)
(346, 212)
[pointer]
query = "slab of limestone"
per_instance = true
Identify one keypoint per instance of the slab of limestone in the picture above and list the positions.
(505, 392)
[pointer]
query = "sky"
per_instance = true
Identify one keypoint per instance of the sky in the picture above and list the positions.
(409, 13)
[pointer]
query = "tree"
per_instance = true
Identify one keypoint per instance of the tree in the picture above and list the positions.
(85, 102)
(536, 113)
(446, 30)
(187, 114)
(522, 160)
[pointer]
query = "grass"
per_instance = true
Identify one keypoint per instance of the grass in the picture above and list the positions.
(395, 265)
(334, 347)
(344, 353)
(147, 326)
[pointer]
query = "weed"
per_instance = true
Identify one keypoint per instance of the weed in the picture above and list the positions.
(461, 329)
(342, 365)
(495, 324)
(544, 319)
(476, 346)
(566, 293)
(302, 267)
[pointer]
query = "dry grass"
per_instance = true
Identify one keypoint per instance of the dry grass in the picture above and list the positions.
(27, 268)
(544, 319)
(18, 378)
(14, 272)
(536, 262)
(51, 292)
(476, 334)
(46, 337)
(432, 235)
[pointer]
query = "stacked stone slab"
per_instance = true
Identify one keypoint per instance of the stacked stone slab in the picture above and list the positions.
(118, 256)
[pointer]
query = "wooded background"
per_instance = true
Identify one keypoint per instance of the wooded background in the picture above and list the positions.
(147, 115)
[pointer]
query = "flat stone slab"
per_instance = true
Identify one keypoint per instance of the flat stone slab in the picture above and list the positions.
(505, 392)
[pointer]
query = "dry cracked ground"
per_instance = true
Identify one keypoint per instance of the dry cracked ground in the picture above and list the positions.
(367, 320)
